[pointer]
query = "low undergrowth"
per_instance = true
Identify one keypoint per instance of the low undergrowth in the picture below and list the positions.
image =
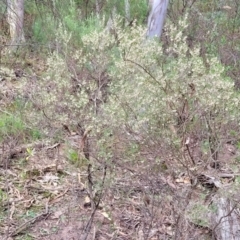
(124, 138)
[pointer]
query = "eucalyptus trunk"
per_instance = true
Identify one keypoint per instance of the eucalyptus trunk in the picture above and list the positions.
(127, 11)
(15, 16)
(156, 17)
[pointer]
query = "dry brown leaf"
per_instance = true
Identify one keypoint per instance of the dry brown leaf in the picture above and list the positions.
(87, 202)
(179, 180)
(87, 199)
(28, 203)
(226, 7)
(106, 215)
(187, 180)
(12, 210)
(170, 183)
(57, 214)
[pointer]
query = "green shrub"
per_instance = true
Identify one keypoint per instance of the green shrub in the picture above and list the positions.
(149, 90)
(12, 126)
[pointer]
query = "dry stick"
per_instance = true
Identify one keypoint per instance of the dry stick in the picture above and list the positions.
(189, 153)
(213, 149)
(59, 196)
(25, 225)
(6, 112)
(181, 215)
(95, 205)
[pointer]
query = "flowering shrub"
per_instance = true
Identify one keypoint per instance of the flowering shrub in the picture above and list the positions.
(120, 80)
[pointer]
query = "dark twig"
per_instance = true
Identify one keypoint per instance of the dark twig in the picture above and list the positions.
(94, 202)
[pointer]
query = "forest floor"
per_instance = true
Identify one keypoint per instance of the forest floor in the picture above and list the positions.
(47, 195)
(49, 198)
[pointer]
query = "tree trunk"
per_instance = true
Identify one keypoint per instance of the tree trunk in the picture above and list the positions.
(127, 11)
(225, 219)
(156, 17)
(15, 15)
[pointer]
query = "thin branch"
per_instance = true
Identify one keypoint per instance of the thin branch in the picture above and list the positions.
(96, 204)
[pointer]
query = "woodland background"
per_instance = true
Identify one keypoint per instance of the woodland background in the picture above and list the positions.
(105, 134)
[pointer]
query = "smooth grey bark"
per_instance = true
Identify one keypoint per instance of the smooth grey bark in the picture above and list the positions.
(15, 16)
(127, 10)
(156, 18)
(225, 220)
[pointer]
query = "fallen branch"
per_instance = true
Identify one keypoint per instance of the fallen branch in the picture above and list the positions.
(27, 224)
